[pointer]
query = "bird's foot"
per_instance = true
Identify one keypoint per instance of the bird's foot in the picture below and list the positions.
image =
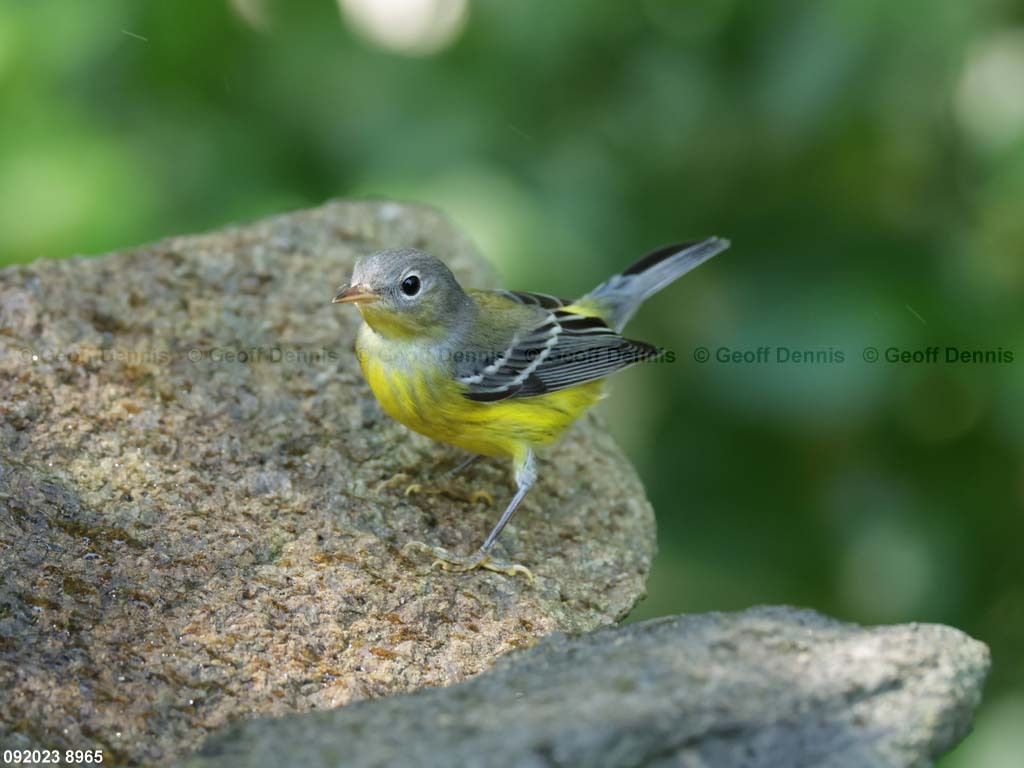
(392, 481)
(448, 561)
(449, 490)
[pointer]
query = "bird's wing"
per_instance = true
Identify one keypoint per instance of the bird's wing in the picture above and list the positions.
(556, 349)
(529, 298)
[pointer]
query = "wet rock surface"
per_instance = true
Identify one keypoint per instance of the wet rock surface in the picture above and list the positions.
(202, 507)
(768, 687)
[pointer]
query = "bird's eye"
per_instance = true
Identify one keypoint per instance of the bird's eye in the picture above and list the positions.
(411, 285)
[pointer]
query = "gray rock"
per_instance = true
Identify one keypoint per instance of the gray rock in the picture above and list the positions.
(202, 508)
(772, 687)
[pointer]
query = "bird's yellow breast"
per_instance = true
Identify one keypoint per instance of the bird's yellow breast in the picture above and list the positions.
(415, 388)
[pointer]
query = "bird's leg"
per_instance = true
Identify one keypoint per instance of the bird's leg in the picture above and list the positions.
(462, 466)
(526, 475)
(447, 487)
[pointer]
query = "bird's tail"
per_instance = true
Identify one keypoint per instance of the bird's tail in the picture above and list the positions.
(618, 298)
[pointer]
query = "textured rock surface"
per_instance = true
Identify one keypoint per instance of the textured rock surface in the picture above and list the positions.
(187, 537)
(767, 687)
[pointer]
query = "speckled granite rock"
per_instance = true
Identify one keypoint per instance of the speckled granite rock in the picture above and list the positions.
(769, 687)
(201, 512)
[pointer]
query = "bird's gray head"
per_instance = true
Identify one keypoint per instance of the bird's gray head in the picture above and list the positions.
(405, 294)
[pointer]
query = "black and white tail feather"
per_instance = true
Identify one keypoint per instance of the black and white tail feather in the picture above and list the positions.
(576, 342)
(620, 296)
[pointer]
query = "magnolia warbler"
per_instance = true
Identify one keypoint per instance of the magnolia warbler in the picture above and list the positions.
(497, 373)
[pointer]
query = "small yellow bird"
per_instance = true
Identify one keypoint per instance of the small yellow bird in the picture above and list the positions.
(497, 373)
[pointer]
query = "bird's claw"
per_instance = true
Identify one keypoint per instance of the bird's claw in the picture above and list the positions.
(392, 481)
(453, 563)
(473, 497)
(481, 495)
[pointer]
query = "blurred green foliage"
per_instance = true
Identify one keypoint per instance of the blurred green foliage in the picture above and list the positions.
(866, 157)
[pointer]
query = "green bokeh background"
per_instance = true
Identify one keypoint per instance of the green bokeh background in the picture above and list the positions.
(866, 158)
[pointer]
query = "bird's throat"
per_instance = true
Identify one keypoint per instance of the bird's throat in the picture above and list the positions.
(396, 325)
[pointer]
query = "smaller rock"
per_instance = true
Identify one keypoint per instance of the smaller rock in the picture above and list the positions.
(766, 687)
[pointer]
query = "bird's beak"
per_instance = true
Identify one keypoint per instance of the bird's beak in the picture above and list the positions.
(356, 294)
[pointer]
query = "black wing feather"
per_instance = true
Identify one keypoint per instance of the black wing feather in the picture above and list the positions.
(563, 350)
(543, 300)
